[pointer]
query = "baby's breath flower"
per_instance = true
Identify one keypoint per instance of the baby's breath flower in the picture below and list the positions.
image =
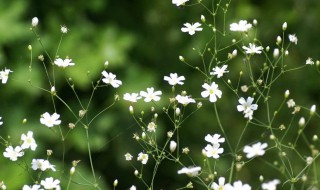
(203, 19)
(309, 61)
(185, 150)
(293, 38)
(28, 141)
(255, 150)
(4, 75)
(271, 185)
(151, 95)
(309, 160)
(115, 183)
(133, 97)
(64, 29)
(252, 49)
(179, 2)
(190, 171)
(219, 71)
(152, 127)
(291, 103)
(212, 91)
(143, 158)
(63, 63)
(174, 79)
(128, 156)
(50, 183)
(242, 26)
(191, 28)
(13, 153)
(72, 170)
(110, 78)
(50, 120)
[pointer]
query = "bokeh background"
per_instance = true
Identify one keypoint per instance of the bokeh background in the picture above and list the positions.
(142, 41)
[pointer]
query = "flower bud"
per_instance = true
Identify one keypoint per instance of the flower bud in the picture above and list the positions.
(276, 53)
(64, 29)
(34, 21)
(287, 93)
(203, 19)
(115, 183)
(172, 146)
(284, 26)
(178, 111)
(312, 109)
(29, 47)
(72, 170)
(255, 22)
(181, 58)
(301, 122)
(278, 40)
(131, 110)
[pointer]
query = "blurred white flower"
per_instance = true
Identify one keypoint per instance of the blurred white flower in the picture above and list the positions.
(219, 71)
(247, 107)
(293, 38)
(252, 49)
(214, 139)
(50, 183)
(190, 171)
(191, 28)
(42, 164)
(143, 158)
(213, 151)
(110, 78)
(63, 63)
(271, 185)
(184, 100)
(222, 185)
(64, 29)
(13, 153)
(4, 75)
(34, 187)
(174, 79)
(128, 156)
(255, 150)
(291, 103)
(179, 2)
(309, 61)
(50, 120)
(133, 97)
(28, 141)
(151, 95)
(242, 26)
(237, 185)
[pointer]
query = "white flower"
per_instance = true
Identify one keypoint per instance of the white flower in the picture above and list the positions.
(4, 75)
(252, 49)
(34, 21)
(184, 100)
(214, 139)
(293, 38)
(1, 122)
(247, 107)
(179, 2)
(237, 185)
(242, 26)
(28, 141)
(213, 151)
(63, 63)
(64, 29)
(212, 91)
(143, 158)
(172, 146)
(110, 78)
(191, 28)
(41, 164)
(13, 153)
(50, 183)
(128, 156)
(174, 79)
(309, 61)
(221, 185)
(150, 95)
(219, 71)
(255, 150)
(291, 103)
(190, 171)
(152, 127)
(34, 187)
(133, 97)
(133, 188)
(50, 120)
(271, 185)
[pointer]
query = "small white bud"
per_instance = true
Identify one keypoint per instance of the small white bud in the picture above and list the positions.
(267, 48)
(106, 63)
(173, 146)
(255, 22)
(286, 53)
(309, 160)
(315, 137)
(276, 53)
(261, 178)
(234, 40)
(143, 135)
(115, 183)
(34, 21)
(286, 93)
(284, 26)
(234, 53)
(312, 109)
(178, 111)
(72, 170)
(29, 47)
(279, 39)
(136, 172)
(181, 58)
(131, 110)
(301, 122)
(203, 19)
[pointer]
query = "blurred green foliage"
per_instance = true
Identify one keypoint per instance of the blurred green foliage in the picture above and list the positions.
(142, 41)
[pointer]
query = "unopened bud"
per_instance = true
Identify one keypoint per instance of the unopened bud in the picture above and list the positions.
(278, 40)
(286, 93)
(284, 26)
(173, 146)
(276, 53)
(255, 22)
(177, 111)
(131, 110)
(203, 19)
(34, 21)
(29, 47)
(72, 170)
(181, 58)
(301, 122)
(115, 183)
(312, 109)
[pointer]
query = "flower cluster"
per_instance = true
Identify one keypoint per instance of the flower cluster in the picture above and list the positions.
(213, 149)
(247, 107)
